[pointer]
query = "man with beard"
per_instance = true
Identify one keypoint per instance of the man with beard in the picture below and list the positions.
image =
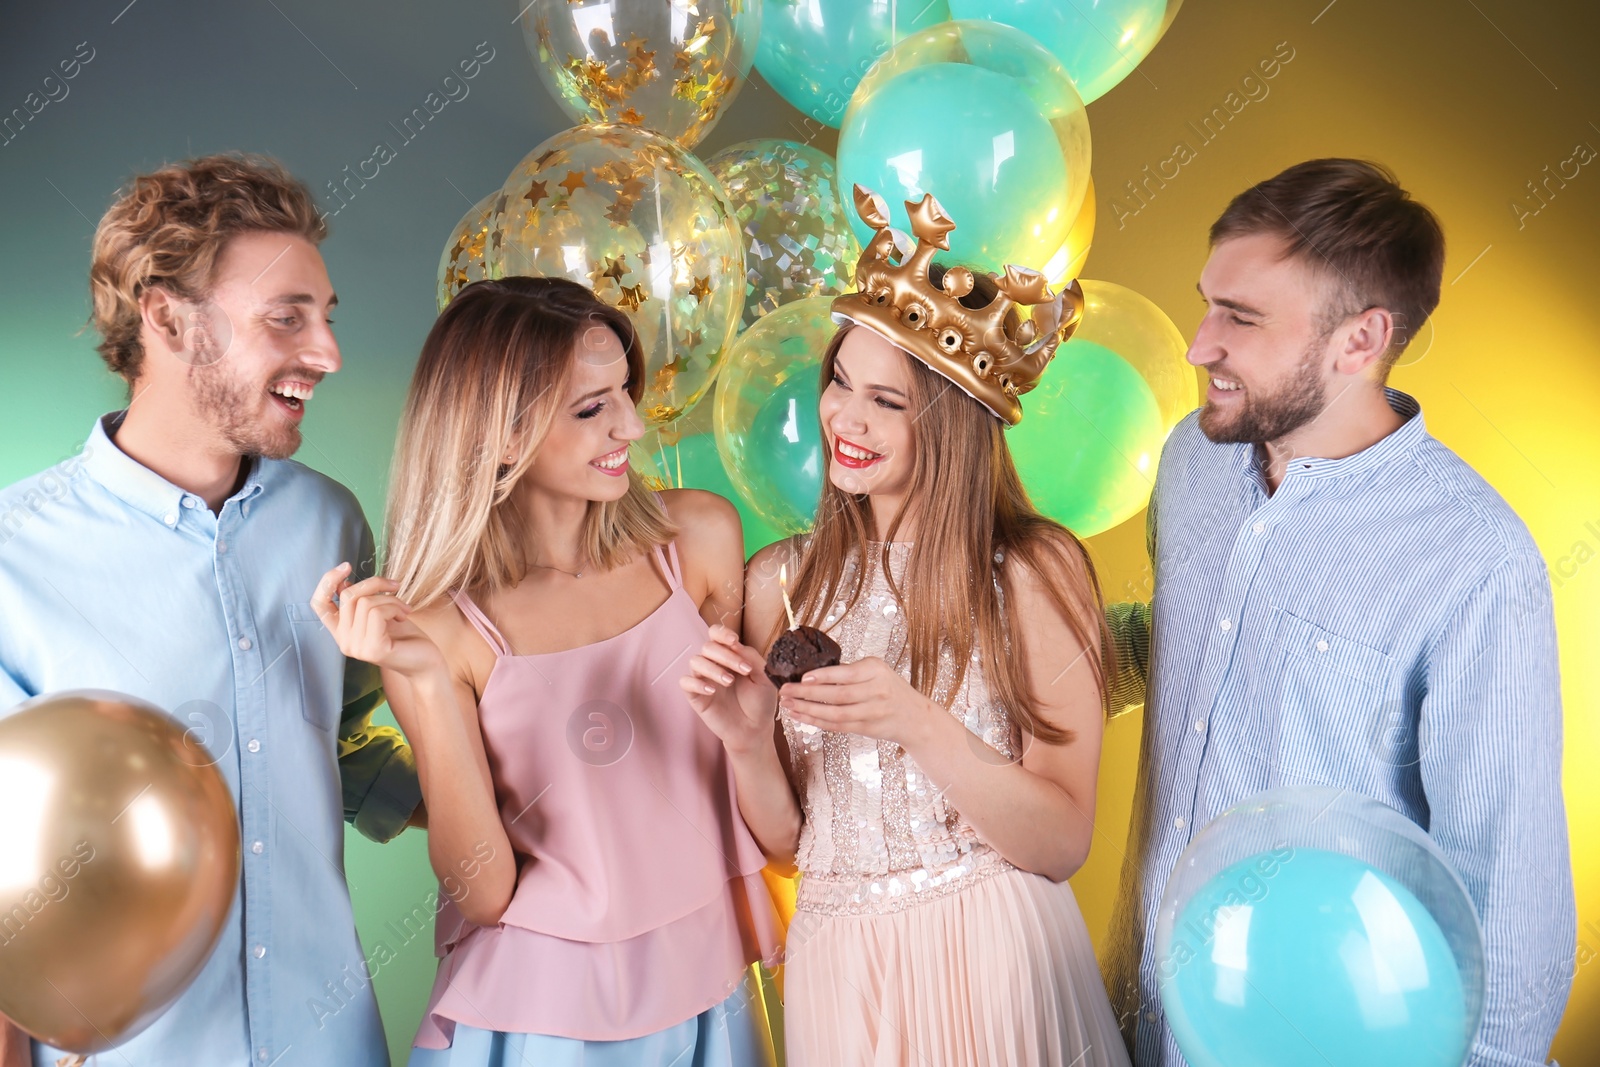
(176, 564)
(1340, 600)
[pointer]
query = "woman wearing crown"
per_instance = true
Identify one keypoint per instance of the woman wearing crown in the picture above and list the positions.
(937, 788)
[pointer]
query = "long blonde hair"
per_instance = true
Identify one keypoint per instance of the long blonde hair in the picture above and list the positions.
(969, 504)
(491, 380)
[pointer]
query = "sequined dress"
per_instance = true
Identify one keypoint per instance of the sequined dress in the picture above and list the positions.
(913, 940)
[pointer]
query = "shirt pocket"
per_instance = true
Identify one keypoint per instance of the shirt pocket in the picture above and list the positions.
(1334, 700)
(321, 667)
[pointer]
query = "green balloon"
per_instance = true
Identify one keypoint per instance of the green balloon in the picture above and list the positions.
(1089, 440)
(766, 413)
(693, 463)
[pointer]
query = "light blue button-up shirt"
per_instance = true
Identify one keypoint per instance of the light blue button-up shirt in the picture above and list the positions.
(1381, 622)
(113, 578)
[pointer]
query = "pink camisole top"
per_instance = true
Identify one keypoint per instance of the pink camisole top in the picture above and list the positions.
(639, 900)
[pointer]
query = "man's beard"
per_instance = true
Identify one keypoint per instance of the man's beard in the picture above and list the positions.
(1272, 418)
(230, 406)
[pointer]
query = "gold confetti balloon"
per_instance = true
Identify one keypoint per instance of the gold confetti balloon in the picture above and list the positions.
(672, 66)
(797, 239)
(463, 260)
(642, 222)
(119, 861)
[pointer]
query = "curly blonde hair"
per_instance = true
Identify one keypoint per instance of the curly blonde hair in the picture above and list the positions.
(169, 229)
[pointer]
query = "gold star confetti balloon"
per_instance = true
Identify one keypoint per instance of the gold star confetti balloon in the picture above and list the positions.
(119, 861)
(673, 66)
(463, 260)
(797, 239)
(642, 222)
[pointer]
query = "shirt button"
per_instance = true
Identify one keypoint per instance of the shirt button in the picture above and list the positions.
(188, 502)
(1180, 822)
(170, 519)
(1259, 527)
(1149, 1016)
(254, 745)
(256, 847)
(244, 509)
(1199, 726)
(261, 1054)
(1226, 625)
(222, 546)
(1322, 646)
(261, 950)
(244, 643)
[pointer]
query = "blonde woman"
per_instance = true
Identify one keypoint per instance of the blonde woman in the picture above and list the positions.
(943, 776)
(602, 897)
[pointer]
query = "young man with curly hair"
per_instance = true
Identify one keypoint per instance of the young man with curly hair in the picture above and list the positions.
(174, 565)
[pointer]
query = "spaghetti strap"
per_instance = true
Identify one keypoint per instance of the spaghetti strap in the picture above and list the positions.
(480, 622)
(668, 559)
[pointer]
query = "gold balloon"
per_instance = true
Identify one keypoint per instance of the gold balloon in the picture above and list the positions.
(639, 220)
(463, 260)
(119, 860)
(670, 65)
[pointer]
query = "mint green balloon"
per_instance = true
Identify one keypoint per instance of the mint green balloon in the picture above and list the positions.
(1089, 439)
(984, 118)
(1098, 43)
(766, 413)
(974, 140)
(815, 52)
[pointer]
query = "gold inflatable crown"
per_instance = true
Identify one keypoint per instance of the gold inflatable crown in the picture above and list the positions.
(989, 352)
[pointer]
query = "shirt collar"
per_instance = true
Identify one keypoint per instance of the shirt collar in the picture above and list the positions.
(1375, 455)
(138, 485)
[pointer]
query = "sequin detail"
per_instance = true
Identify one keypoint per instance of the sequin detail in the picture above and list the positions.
(878, 836)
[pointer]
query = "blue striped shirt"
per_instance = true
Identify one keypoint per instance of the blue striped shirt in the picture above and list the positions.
(111, 577)
(1383, 623)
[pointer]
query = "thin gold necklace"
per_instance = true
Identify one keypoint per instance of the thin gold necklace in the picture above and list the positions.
(548, 567)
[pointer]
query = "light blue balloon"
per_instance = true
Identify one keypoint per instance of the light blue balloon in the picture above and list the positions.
(1318, 958)
(1099, 43)
(815, 52)
(974, 139)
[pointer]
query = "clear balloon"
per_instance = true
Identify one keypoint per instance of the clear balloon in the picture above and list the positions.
(816, 53)
(985, 119)
(673, 66)
(1314, 925)
(1092, 430)
(640, 221)
(798, 240)
(766, 413)
(463, 260)
(1099, 44)
(692, 462)
(1079, 240)
(119, 860)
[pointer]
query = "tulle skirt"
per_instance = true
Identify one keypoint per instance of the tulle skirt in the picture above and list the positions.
(1000, 974)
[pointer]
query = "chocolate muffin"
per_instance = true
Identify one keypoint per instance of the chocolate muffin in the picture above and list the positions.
(805, 648)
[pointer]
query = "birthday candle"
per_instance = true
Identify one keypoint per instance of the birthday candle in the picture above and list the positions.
(783, 586)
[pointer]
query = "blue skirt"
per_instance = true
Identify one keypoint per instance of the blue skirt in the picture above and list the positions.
(731, 1034)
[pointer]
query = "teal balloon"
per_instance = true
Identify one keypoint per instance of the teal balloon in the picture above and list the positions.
(765, 417)
(1325, 960)
(693, 463)
(815, 52)
(1089, 440)
(1098, 43)
(986, 120)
